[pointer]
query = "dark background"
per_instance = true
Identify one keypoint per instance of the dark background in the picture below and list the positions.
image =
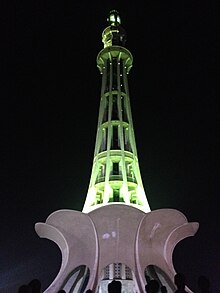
(50, 92)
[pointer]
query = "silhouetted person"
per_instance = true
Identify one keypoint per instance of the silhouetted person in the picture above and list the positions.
(62, 291)
(114, 287)
(35, 285)
(24, 289)
(152, 286)
(179, 280)
(89, 291)
(203, 284)
(163, 289)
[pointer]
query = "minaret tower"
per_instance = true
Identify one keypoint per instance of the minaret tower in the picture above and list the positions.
(116, 236)
(115, 174)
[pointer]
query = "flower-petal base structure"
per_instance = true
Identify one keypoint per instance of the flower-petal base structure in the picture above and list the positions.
(115, 233)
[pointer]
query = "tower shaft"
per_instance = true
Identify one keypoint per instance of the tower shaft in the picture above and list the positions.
(115, 176)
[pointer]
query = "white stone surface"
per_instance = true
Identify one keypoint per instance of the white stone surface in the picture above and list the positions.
(115, 234)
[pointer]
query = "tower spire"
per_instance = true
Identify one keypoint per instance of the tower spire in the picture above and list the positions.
(115, 176)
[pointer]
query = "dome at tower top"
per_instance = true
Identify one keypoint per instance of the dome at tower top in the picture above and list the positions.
(114, 18)
(114, 34)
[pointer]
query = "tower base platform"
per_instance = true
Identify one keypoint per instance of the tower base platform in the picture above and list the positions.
(115, 242)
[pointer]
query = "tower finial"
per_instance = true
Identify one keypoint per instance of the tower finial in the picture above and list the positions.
(114, 34)
(114, 18)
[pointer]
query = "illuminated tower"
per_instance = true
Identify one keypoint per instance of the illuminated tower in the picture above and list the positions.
(116, 236)
(115, 174)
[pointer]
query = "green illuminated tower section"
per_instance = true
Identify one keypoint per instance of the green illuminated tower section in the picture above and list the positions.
(115, 176)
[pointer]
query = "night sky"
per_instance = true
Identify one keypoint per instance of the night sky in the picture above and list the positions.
(50, 93)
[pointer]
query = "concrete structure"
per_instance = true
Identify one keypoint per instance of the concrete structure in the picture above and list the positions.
(116, 236)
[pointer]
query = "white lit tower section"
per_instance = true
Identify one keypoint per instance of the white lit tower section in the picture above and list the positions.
(115, 176)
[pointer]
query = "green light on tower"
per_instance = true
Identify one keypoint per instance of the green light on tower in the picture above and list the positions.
(115, 177)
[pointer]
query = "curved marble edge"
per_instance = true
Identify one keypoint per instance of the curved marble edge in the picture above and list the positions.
(52, 233)
(159, 232)
(56, 214)
(184, 231)
(62, 227)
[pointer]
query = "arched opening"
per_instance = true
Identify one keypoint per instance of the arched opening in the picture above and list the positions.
(156, 273)
(77, 280)
(120, 272)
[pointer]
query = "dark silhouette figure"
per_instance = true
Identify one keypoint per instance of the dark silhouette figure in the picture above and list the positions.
(24, 289)
(163, 289)
(89, 291)
(35, 286)
(62, 291)
(203, 284)
(179, 280)
(114, 287)
(152, 286)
